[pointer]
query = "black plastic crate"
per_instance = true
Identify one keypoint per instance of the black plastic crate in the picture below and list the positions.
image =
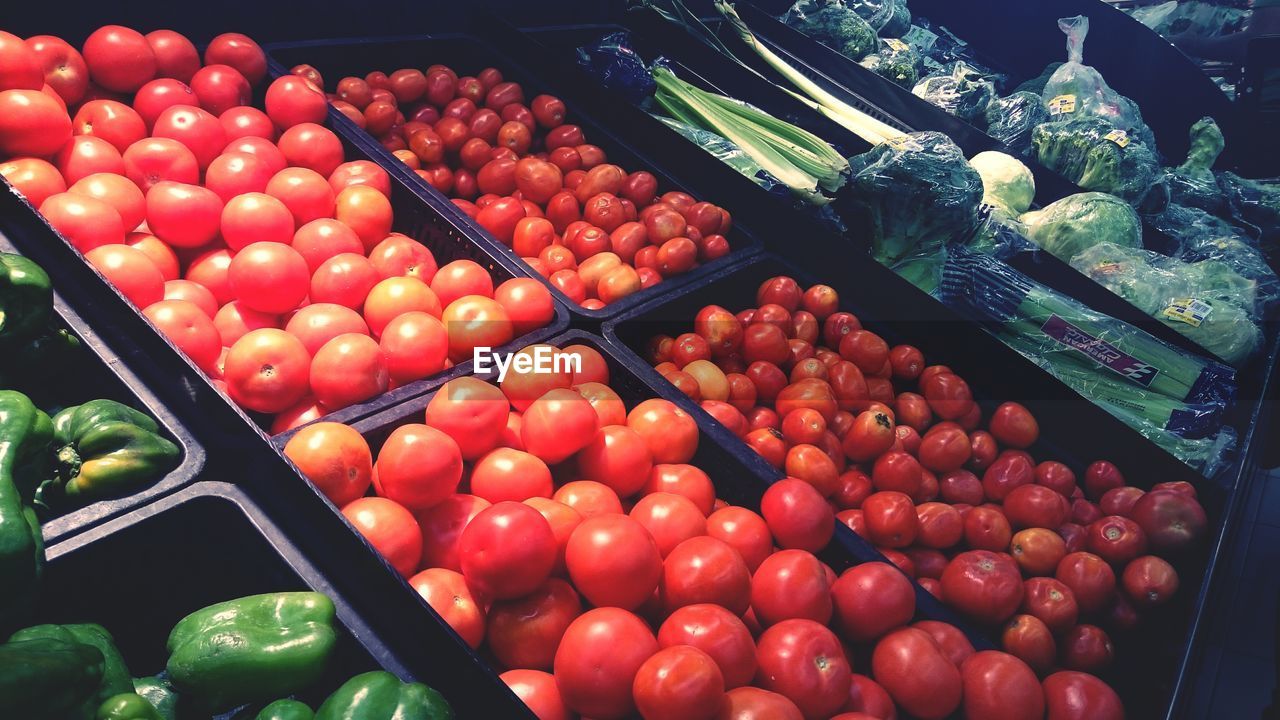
(101, 374)
(210, 543)
(636, 142)
(1152, 662)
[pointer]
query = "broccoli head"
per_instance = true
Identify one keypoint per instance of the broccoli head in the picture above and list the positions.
(1192, 183)
(1096, 155)
(916, 195)
(895, 61)
(837, 27)
(899, 22)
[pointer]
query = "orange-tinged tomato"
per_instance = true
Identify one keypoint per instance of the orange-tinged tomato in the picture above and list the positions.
(335, 458)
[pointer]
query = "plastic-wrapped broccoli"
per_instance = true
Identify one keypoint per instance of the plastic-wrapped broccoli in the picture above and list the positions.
(1097, 155)
(1204, 302)
(1253, 201)
(1206, 241)
(895, 61)
(1079, 90)
(899, 22)
(890, 18)
(961, 91)
(1011, 120)
(833, 24)
(1192, 183)
(1076, 222)
(916, 194)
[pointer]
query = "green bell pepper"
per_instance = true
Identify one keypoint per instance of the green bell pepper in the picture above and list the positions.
(48, 678)
(40, 360)
(127, 706)
(106, 447)
(286, 710)
(115, 674)
(26, 299)
(160, 693)
(25, 435)
(252, 649)
(379, 695)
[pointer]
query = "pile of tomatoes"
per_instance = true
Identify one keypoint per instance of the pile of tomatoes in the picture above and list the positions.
(573, 540)
(904, 455)
(245, 236)
(595, 231)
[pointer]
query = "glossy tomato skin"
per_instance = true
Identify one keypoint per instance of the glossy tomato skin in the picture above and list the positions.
(797, 515)
(1173, 521)
(1073, 695)
(717, 632)
(745, 531)
(678, 683)
(984, 585)
(472, 412)
(447, 593)
(613, 561)
(1115, 539)
(1090, 578)
(752, 703)
(1028, 639)
(598, 659)
(909, 665)
(999, 686)
(706, 570)
(507, 550)
(804, 661)
(538, 691)
(390, 529)
(525, 632)
(891, 519)
(871, 599)
(953, 643)
(418, 466)
(1051, 601)
(791, 584)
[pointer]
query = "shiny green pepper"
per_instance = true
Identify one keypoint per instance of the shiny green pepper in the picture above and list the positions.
(115, 674)
(161, 695)
(127, 706)
(48, 678)
(286, 710)
(26, 299)
(104, 448)
(25, 436)
(379, 695)
(252, 649)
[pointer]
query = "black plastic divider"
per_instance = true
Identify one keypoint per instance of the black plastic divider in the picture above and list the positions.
(211, 542)
(1151, 662)
(634, 141)
(700, 64)
(99, 373)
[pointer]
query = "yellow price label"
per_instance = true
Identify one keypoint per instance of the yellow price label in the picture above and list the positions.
(896, 45)
(1188, 310)
(1119, 137)
(1062, 105)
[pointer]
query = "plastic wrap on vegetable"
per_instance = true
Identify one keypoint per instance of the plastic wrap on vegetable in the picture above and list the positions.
(1206, 302)
(1097, 155)
(1193, 183)
(961, 91)
(835, 25)
(618, 67)
(1078, 90)
(896, 61)
(1066, 227)
(918, 194)
(1011, 120)
(1203, 237)
(889, 18)
(1254, 201)
(1037, 83)
(1206, 19)
(1047, 323)
(1007, 184)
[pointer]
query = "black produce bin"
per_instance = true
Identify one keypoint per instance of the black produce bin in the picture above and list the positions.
(141, 573)
(1152, 663)
(99, 373)
(634, 140)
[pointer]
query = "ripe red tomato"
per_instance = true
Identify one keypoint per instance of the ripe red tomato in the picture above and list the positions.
(63, 67)
(31, 124)
(999, 686)
(508, 474)
(986, 528)
(418, 467)
(791, 584)
(447, 593)
(616, 456)
(718, 633)
(197, 129)
(589, 498)
(390, 529)
(186, 216)
(1038, 551)
(398, 255)
(613, 561)
(189, 328)
(1090, 578)
(442, 526)
(120, 59)
(871, 599)
(267, 370)
(415, 345)
(1005, 474)
(1051, 601)
(538, 691)
(1035, 506)
(797, 515)
(151, 160)
(220, 88)
(246, 122)
(1100, 477)
(909, 665)
(941, 525)
(130, 271)
(257, 217)
(891, 519)
(240, 52)
(1087, 648)
(292, 100)
(1028, 639)
(343, 279)
(507, 551)
(671, 433)
(897, 472)
(305, 192)
(953, 643)
(1013, 425)
(21, 67)
(1172, 521)
(472, 412)
(805, 662)
(525, 632)
(752, 703)
(598, 659)
(269, 277)
(1115, 539)
(234, 321)
(36, 179)
(559, 424)
(984, 585)
(1079, 696)
(680, 682)
(1149, 581)
(319, 323)
(395, 296)
(175, 56)
(236, 173)
(745, 531)
(670, 519)
(191, 292)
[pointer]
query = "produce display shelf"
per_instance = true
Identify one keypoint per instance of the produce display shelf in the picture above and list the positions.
(634, 141)
(100, 373)
(1151, 662)
(167, 555)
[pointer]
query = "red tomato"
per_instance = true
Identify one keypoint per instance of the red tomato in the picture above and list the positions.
(1090, 579)
(984, 585)
(1051, 601)
(598, 659)
(716, 632)
(305, 192)
(36, 179)
(182, 215)
(234, 321)
(1100, 477)
(745, 531)
(999, 686)
(507, 474)
(804, 661)
(953, 644)
(256, 217)
(323, 239)
(791, 584)
(1028, 639)
(589, 498)
(525, 632)
(269, 277)
(472, 412)
(1115, 539)
(1038, 551)
(1149, 581)
(399, 255)
(240, 52)
(343, 279)
(291, 100)
(86, 222)
(21, 66)
(243, 122)
(941, 525)
(528, 303)
(891, 519)
(563, 519)
(395, 296)
(671, 433)
(192, 292)
(752, 703)
(442, 526)
(1087, 648)
(319, 323)
(1013, 425)
(415, 345)
(1172, 521)
(475, 321)
(198, 130)
(986, 528)
(920, 679)
(1035, 506)
(706, 570)
(507, 551)
(447, 593)
(607, 404)
(366, 211)
(613, 561)
(538, 691)
(189, 328)
(418, 467)
(175, 56)
(130, 271)
(220, 88)
(1079, 696)
(871, 599)
(797, 515)
(390, 529)
(152, 160)
(680, 682)
(267, 371)
(120, 59)
(559, 424)
(670, 519)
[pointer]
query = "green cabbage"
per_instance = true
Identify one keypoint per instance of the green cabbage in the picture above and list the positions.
(1077, 222)
(1007, 184)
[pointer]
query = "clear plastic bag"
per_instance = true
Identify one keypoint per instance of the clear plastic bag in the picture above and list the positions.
(1191, 16)
(1097, 155)
(962, 91)
(834, 24)
(1255, 202)
(917, 194)
(613, 62)
(1206, 301)
(1067, 227)
(896, 61)
(1204, 238)
(1011, 120)
(1193, 183)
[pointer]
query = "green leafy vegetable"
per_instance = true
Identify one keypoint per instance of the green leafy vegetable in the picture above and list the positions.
(1066, 227)
(1007, 184)
(1097, 155)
